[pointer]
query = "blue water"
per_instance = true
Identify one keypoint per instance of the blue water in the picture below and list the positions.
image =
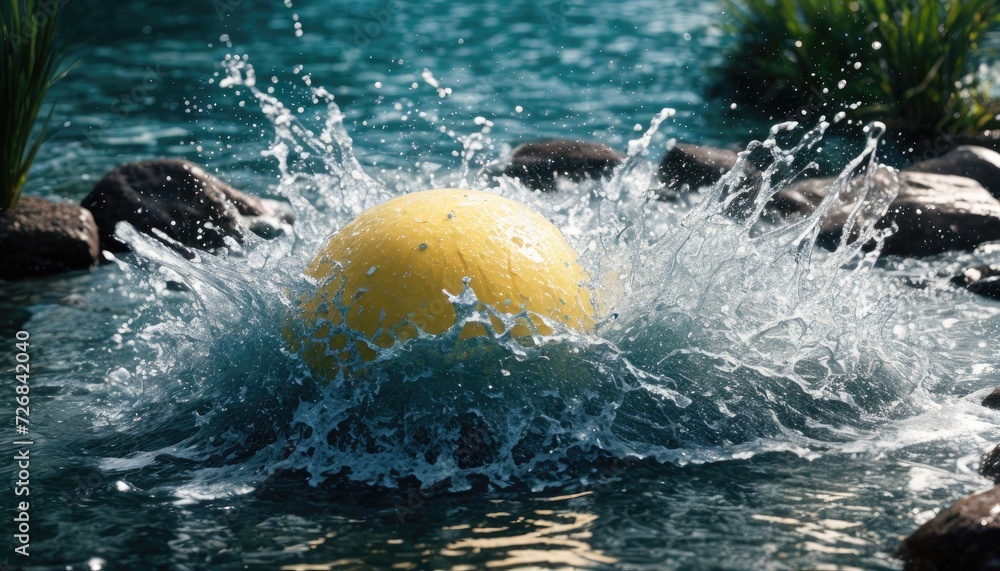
(747, 401)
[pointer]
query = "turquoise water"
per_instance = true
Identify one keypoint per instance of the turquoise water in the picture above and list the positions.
(746, 402)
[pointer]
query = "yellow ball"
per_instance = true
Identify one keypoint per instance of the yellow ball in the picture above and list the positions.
(389, 270)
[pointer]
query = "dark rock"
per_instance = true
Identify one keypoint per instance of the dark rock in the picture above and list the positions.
(800, 199)
(978, 163)
(992, 400)
(273, 221)
(176, 198)
(982, 280)
(937, 213)
(695, 166)
(990, 465)
(39, 237)
(934, 213)
(538, 164)
(964, 537)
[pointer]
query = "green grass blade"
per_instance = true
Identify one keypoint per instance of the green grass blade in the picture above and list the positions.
(29, 64)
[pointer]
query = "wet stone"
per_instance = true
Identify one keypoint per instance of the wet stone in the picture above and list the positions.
(538, 164)
(971, 161)
(993, 399)
(180, 201)
(40, 237)
(964, 537)
(694, 166)
(990, 465)
(932, 213)
(982, 280)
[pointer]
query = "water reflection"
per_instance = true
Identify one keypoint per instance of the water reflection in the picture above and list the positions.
(539, 533)
(548, 537)
(827, 537)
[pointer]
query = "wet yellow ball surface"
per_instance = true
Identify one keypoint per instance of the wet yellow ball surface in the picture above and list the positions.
(387, 273)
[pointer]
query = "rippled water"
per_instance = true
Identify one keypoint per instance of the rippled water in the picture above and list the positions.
(746, 402)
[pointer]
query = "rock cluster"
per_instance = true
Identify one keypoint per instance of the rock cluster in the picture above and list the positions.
(951, 202)
(173, 200)
(945, 203)
(942, 204)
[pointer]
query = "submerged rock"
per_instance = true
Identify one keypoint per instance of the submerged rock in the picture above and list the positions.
(990, 464)
(992, 400)
(964, 537)
(695, 166)
(265, 217)
(538, 164)
(180, 200)
(983, 280)
(39, 237)
(971, 161)
(933, 213)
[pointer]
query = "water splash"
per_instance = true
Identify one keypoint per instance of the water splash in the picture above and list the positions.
(722, 334)
(319, 173)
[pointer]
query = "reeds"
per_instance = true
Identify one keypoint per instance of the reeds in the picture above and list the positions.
(32, 52)
(910, 63)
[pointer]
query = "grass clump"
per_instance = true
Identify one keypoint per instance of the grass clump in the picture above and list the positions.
(29, 65)
(909, 63)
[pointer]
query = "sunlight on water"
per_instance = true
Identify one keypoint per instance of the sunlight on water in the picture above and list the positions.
(553, 531)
